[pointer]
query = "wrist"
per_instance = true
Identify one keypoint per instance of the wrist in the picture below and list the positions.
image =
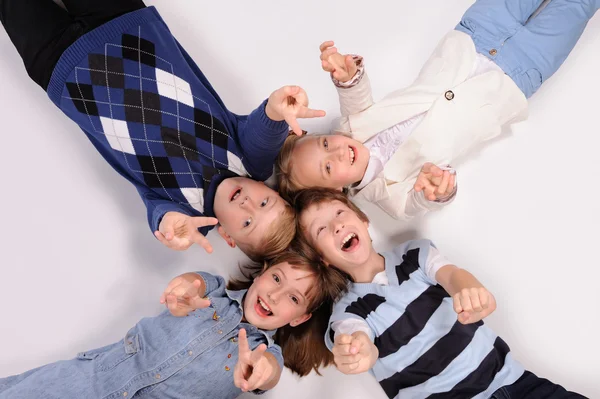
(190, 277)
(271, 113)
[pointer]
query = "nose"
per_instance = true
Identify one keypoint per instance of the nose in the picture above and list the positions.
(247, 204)
(274, 295)
(338, 227)
(341, 152)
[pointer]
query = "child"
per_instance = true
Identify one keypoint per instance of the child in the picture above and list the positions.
(114, 68)
(224, 347)
(396, 153)
(399, 318)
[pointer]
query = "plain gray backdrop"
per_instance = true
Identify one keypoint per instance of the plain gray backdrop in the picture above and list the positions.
(80, 266)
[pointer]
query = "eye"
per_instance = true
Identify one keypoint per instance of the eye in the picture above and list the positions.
(339, 212)
(328, 168)
(276, 278)
(264, 203)
(325, 144)
(319, 230)
(295, 300)
(247, 222)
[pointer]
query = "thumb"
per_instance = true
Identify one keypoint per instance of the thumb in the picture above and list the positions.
(464, 317)
(168, 231)
(343, 339)
(202, 221)
(357, 343)
(200, 303)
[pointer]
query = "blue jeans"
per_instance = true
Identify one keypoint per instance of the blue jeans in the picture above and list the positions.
(529, 50)
(530, 386)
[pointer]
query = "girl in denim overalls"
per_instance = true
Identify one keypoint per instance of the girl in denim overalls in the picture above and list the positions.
(226, 345)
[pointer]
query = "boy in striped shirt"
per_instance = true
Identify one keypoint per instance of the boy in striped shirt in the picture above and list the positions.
(411, 317)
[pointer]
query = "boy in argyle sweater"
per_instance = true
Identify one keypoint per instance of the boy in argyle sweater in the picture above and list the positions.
(115, 69)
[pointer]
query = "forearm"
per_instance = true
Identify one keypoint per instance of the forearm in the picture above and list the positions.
(455, 279)
(272, 382)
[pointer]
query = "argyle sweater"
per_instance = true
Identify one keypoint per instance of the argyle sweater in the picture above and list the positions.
(424, 352)
(153, 115)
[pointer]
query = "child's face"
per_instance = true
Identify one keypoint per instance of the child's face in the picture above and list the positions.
(338, 234)
(278, 297)
(246, 208)
(333, 161)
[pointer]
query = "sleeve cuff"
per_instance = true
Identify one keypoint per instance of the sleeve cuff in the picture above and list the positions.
(276, 127)
(162, 209)
(357, 76)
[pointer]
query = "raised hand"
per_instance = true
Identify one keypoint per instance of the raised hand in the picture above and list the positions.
(341, 67)
(435, 182)
(179, 231)
(354, 354)
(253, 370)
(184, 294)
(290, 103)
(473, 304)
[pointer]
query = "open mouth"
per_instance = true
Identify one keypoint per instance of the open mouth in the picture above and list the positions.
(350, 242)
(235, 194)
(262, 309)
(352, 152)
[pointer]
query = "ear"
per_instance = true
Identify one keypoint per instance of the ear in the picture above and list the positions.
(226, 237)
(340, 189)
(325, 262)
(300, 320)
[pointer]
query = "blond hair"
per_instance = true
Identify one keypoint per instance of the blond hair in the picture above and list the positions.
(286, 181)
(277, 238)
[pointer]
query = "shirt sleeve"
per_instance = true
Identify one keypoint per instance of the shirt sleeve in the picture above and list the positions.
(156, 207)
(425, 256)
(350, 326)
(348, 312)
(355, 95)
(260, 139)
(211, 282)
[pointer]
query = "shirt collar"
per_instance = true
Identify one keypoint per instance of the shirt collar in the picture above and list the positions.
(374, 167)
(238, 296)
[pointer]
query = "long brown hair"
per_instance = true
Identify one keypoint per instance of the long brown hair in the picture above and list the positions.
(303, 346)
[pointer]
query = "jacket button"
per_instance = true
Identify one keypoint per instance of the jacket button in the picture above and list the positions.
(493, 52)
(449, 95)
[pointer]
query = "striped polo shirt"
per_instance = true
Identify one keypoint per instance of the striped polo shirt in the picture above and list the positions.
(424, 352)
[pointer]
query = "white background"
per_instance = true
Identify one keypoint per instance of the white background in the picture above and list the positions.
(79, 265)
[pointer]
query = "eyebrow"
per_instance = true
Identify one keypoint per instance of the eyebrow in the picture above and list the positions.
(295, 289)
(321, 168)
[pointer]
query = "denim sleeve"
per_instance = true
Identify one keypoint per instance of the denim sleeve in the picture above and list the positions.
(212, 282)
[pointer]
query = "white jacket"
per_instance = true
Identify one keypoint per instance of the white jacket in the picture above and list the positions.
(461, 114)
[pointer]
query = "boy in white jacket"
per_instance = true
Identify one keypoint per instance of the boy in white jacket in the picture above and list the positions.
(396, 152)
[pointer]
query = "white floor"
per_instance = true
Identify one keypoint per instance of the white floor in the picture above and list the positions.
(79, 265)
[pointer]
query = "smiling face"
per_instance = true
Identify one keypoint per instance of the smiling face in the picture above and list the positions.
(333, 161)
(279, 296)
(338, 234)
(246, 209)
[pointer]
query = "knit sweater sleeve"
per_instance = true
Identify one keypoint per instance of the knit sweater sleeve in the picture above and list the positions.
(157, 207)
(260, 139)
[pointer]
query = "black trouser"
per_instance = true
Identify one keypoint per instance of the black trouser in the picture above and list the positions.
(41, 30)
(530, 386)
